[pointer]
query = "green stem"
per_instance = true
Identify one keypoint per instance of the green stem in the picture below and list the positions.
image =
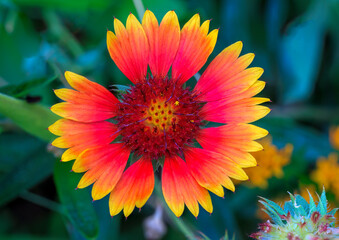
(33, 118)
(42, 201)
(139, 7)
(189, 234)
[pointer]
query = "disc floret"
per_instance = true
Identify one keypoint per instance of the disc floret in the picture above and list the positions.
(158, 118)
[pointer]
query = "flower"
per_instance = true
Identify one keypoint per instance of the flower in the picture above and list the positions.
(158, 120)
(270, 163)
(306, 191)
(334, 137)
(327, 173)
(298, 219)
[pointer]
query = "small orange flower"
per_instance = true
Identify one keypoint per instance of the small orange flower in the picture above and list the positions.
(158, 119)
(327, 173)
(270, 163)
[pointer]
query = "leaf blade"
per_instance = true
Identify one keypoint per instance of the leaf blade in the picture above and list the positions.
(33, 118)
(34, 169)
(77, 203)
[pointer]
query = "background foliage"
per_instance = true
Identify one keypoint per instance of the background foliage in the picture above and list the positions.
(295, 41)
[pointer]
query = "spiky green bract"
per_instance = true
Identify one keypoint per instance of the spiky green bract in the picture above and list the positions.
(298, 220)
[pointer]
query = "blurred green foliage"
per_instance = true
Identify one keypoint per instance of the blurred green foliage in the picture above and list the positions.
(295, 41)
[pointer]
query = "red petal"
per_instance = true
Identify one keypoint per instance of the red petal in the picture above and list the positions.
(233, 141)
(104, 166)
(91, 103)
(128, 48)
(81, 136)
(163, 41)
(179, 188)
(242, 111)
(194, 49)
(226, 76)
(212, 170)
(133, 189)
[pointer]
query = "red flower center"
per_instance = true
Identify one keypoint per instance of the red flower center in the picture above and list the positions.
(158, 118)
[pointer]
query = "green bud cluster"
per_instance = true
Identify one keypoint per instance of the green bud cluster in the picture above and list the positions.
(298, 220)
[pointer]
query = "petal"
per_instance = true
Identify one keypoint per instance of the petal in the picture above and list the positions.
(179, 188)
(66, 126)
(70, 154)
(194, 49)
(233, 141)
(238, 136)
(76, 97)
(133, 189)
(128, 48)
(93, 157)
(212, 169)
(104, 134)
(104, 166)
(242, 111)
(163, 41)
(81, 136)
(237, 85)
(238, 131)
(225, 74)
(82, 113)
(90, 103)
(236, 95)
(86, 86)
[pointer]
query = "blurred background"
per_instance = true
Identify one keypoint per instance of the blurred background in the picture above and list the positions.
(295, 41)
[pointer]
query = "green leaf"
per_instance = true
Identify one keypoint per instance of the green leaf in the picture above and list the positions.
(120, 89)
(323, 199)
(301, 51)
(18, 41)
(23, 89)
(304, 208)
(289, 208)
(322, 206)
(78, 204)
(26, 174)
(272, 213)
(275, 206)
(298, 209)
(10, 157)
(33, 118)
(312, 205)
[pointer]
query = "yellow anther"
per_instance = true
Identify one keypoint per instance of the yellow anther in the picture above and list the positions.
(176, 103)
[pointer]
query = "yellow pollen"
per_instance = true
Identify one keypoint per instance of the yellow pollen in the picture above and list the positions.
(160, 114)
(176, 103)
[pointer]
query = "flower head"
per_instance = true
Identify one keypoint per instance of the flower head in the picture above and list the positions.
(298, 219)
(270, 163)
(158, 120)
